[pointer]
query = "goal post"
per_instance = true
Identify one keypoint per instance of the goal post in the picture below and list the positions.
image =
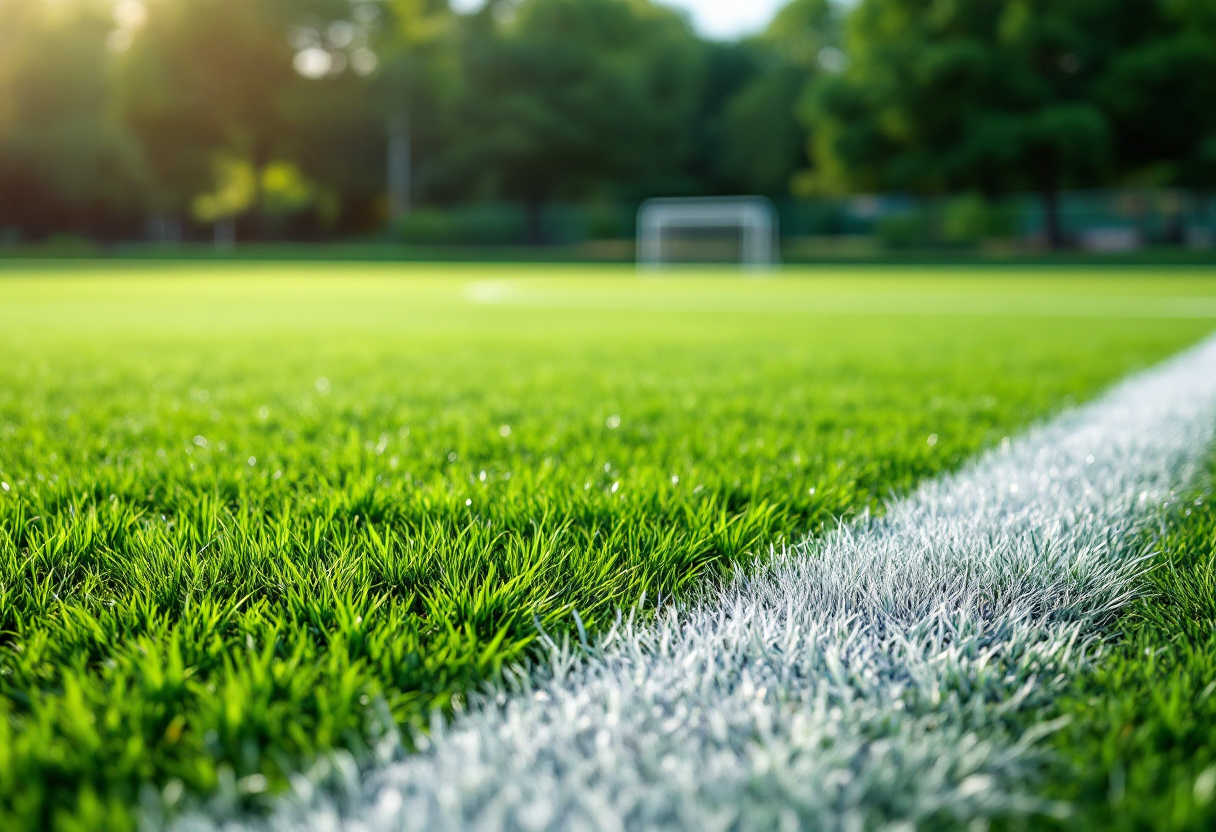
(752, 218)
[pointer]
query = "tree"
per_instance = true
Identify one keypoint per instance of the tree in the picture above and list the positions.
(574, 97)
(415, 89)
(1161, 96)
(213, 85)
(66, 163)
(763, 142)
(986, 95)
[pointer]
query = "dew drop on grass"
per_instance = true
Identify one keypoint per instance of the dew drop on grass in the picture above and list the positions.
(675, 480)
(322, 385)
(263, 412)
(932, 439)
(200, 441)
(253, 460)
(504, 431)
(452, 456)
(468, 502)
(613, 422)
(4, 485)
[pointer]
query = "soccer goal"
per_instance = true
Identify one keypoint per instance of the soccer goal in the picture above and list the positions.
(699, 230)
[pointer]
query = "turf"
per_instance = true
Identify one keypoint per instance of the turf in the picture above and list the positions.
(1139, 751)
(243, 505)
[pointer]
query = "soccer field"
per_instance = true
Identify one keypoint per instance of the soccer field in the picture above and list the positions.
(247, 509)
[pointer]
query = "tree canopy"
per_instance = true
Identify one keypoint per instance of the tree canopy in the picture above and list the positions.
(1000, 95)
(288, 116)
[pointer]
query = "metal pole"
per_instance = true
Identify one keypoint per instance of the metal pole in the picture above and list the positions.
(399, 164)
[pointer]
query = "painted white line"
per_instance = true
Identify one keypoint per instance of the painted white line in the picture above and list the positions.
(864, 680)
(879, 302)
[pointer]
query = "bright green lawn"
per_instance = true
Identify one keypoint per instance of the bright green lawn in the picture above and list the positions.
(1139, 751)
(241, 504)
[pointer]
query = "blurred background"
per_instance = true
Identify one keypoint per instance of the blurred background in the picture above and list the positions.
(535, 128)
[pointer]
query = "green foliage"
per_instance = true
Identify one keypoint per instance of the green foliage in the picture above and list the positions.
(803, 29)
(748, 138)
(983, 95)
(1140, 749)
(241, 506)
(484, 224)
(571, 97)
(1159, 94)
(209, 89)
(954, 221)
(970, 218)
(118, 118)
(997, 96)
(66, 163)
(763, 143)
(504, 224)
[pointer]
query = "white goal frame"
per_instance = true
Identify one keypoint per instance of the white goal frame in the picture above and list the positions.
(753, 215)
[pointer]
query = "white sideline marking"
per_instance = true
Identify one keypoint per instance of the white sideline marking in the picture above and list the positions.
(863, 680)
(953, 304)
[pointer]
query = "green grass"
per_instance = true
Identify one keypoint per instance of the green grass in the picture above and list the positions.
(1139, 751)
(246, 503)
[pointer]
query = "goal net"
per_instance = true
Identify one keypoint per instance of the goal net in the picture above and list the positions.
(707, 230)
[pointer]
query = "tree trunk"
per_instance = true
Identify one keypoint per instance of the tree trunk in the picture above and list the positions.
(260, 221)
(400, 172)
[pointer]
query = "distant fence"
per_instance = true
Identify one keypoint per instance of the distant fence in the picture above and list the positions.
(1113, 220)
(1110, 220)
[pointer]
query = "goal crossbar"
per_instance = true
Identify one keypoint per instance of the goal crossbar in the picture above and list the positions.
(753, 216)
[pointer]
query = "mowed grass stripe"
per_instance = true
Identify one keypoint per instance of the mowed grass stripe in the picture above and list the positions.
(945, 304)
(868, 680)
(245, 504)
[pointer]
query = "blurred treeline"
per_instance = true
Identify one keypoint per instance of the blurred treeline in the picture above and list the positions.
(316, 119)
